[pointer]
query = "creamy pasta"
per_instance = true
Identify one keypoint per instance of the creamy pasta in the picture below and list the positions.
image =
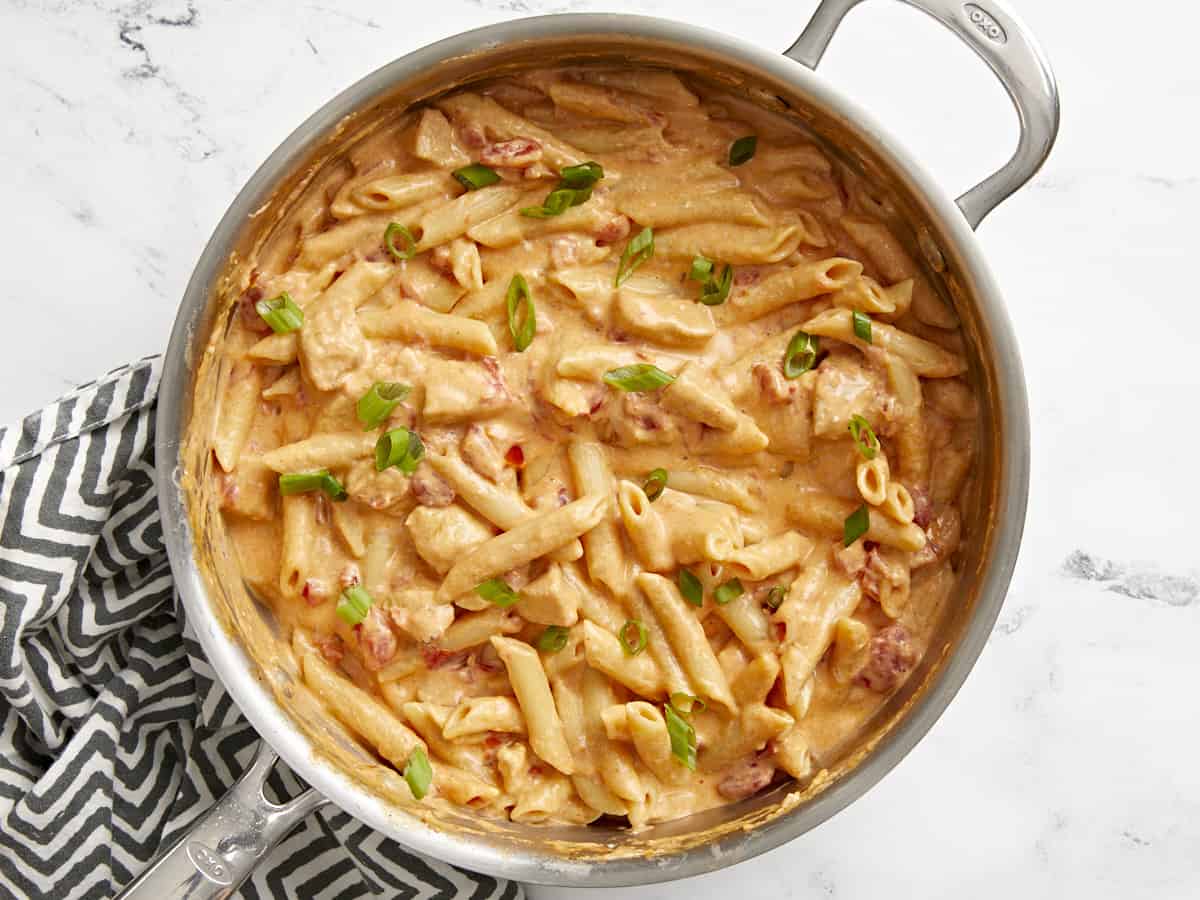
(600, 445)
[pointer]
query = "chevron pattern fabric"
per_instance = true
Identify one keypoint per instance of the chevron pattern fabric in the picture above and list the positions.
(114, 731)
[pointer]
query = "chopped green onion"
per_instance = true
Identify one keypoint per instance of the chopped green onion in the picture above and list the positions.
(683, 737)
(685, 703)
(701, 269)
(302, 482)
(730, 590)
(353, 605)
(553, 639)
(716, 290)
(638, 377)
(475, 176)
(574, 188)
(281, 313)
(713, 291)
(856, 525)
(691, 588)
(389, 241)
(655, 484)
(639, 249)
(522, 332)
(497, 592)
(400, 448)
(801, 354)
(583, 175)
(390, 448)
(418, 773)
(557, 202)
(743, 149)
(862, 326)
(868, 446)
(776, 597)
(413, 455)
(305, 482)
(377, 404)
(634, 637)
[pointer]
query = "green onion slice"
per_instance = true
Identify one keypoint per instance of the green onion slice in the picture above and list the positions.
(730, 590)
(553, 639)
(390, 448)
(776, 597)
(281, 313)
(305, 482)
(701, 269)
(716, 290)
(639, 249)
(557, 202)
(801, 354)
(400, 448)
(583, 175)
(864, 437)
(414, 454)
(683, 737)
(713, 291)
(574, 188)
(685, 703)
(475, 176)
(856, 525)
(634, 636)
(418, 773)
(655, 484)
(862, 326)
(377, 404)
(389, 241)
(353, 605)
(522, 331)
(638, 377)
(497, 592)
(691, 588)
(743, 149)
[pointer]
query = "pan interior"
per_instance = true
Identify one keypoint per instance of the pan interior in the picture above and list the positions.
(250, 624)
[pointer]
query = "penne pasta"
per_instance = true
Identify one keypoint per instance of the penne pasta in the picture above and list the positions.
(413, 322)
(526, 542)
(529, 681)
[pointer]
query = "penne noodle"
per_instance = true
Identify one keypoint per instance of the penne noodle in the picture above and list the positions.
(827, 514)
(770, 557)
(526, 542)
(801, 282)
(503, 508)
(413, 322)
(686, 636)
(321, 451)
(926, 359)
(529, 681)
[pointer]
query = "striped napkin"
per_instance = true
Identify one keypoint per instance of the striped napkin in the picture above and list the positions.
(114, 731)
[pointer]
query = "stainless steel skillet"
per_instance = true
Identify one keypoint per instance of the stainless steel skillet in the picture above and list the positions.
(225, 844)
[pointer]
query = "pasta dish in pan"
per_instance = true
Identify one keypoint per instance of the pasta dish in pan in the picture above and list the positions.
(600, 444)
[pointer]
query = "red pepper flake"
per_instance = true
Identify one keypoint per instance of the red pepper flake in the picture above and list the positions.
(515, 457)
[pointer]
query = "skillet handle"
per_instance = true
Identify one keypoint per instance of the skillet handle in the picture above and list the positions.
(221, 849)
(1008, 48)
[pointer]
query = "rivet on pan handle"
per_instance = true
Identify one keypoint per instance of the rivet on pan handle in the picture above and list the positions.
(1012, 54)
(215, 855)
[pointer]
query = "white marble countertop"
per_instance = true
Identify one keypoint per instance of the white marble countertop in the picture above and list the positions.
(1065, 767)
